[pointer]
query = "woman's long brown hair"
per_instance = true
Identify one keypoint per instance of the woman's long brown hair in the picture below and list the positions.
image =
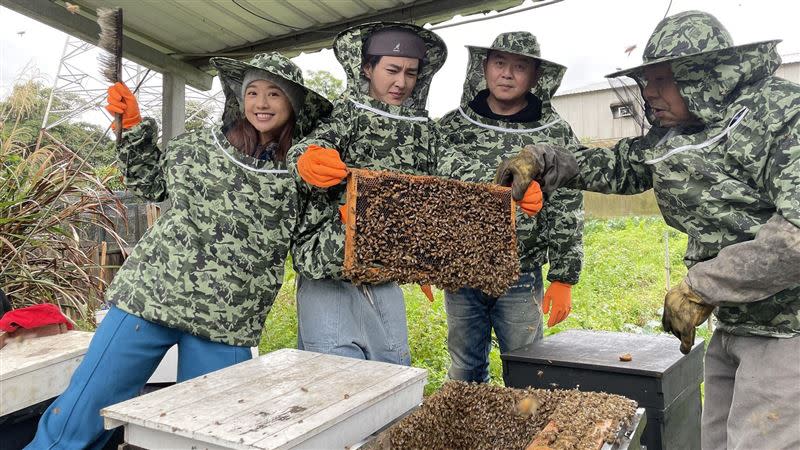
(244, 136)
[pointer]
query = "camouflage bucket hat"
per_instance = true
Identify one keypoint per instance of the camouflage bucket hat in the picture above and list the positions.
(519, 43)
(231, 73)
(686, 35)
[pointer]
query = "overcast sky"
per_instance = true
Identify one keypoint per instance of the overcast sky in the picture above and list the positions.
(587, 36)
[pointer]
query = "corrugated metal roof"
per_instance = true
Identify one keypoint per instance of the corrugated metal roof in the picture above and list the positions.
(180, 36)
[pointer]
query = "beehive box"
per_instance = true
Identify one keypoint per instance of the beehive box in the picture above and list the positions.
(286, 399)
(657, 375)
(481, 416)
(39, 369)
(430, 230)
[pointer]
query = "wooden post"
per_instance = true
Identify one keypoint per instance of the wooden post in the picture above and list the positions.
(173, 111)
(667, 266)
(102, 262)
(153, 212)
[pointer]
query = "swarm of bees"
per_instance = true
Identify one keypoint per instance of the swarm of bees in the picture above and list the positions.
(429, 230)
(482, 416)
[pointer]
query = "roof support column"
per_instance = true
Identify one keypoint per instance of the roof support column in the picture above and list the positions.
(173, 112)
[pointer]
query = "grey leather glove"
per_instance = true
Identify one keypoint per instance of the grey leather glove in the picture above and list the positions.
(684, 310)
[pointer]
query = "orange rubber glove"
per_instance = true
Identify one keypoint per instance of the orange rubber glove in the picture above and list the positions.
(559, 297)
(531, 202)
(343, 213)
(321, 167)
(426, 289)
(122, 101)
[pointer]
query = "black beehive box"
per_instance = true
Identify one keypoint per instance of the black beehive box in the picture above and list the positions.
(664, 381)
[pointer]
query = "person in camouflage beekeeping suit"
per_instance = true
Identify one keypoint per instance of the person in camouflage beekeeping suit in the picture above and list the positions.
(505, 106)
(204, 276)
(723, 157)
(379, 123)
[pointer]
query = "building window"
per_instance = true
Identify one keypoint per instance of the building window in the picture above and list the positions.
(621, 110)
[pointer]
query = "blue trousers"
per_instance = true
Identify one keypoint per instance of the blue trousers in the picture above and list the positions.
(365, 322)
(516, 317)
(124, 352)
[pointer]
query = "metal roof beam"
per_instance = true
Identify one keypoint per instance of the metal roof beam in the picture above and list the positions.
(87, 29)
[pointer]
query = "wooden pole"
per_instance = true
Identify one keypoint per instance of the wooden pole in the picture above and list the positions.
(667, 266)
(103, 261)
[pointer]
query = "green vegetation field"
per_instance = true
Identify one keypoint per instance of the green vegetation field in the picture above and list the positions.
(622, 288)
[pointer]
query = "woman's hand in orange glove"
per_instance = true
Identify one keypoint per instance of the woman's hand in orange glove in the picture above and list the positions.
(557, 301)
(321, 167)
(343, 213)
(531, 202)
(122, 101)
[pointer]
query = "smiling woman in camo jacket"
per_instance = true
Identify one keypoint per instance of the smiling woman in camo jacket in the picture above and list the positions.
(205, 275)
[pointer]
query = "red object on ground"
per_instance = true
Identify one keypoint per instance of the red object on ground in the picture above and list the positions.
(33, 317)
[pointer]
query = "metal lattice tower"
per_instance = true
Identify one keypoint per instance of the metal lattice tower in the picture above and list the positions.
(78, 78)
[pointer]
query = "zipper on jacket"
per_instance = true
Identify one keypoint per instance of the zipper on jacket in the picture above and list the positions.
(243, 165)
(735, 121)
(507, 130)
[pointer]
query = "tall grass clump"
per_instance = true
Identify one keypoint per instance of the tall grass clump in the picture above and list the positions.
(49, 198)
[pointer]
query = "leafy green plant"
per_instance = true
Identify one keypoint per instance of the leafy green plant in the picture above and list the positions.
(49, 197)
(325, 83)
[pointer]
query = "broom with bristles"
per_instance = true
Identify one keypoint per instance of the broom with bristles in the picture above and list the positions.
(110, 21)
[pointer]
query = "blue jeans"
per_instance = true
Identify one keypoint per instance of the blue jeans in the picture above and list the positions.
(124, 352)
(516, 317)
(365, 322)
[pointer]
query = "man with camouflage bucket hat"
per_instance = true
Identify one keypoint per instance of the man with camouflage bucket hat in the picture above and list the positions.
(506, 105)
(723, 157)
(205, 275)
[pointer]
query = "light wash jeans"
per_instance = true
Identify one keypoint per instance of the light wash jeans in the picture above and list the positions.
(339, 318)
(124, 352)
(516, 317)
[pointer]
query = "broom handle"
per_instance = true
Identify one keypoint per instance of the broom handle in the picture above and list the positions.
(118, 117)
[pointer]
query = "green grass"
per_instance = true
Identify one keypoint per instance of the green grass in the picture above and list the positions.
(622, 288)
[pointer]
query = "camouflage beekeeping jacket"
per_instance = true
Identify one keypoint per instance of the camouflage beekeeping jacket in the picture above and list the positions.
(213, 263)
(368, 134)
(721, 182)
(556, 233)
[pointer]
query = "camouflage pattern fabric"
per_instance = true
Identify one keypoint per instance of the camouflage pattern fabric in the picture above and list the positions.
(214, 262)
(721, 182)
(554, 235)
(368, 134)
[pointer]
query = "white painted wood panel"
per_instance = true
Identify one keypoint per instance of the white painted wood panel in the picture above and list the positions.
(38, 369)
(286, 399)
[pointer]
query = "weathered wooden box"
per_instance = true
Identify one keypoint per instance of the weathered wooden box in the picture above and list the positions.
(285, 399)
(38, 369)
